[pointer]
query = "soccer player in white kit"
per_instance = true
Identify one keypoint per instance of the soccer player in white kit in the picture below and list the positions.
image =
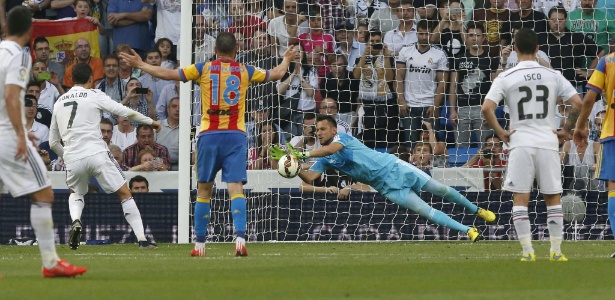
(75, 123)
(22, 170)
(531, 93)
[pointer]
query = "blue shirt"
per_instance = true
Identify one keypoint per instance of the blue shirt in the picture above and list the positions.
(382, 171)
(136, 35)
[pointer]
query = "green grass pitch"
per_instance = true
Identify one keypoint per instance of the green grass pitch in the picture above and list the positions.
(371, 270)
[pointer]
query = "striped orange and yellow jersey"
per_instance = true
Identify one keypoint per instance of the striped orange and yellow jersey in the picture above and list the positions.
(224, 84)
(603, 80)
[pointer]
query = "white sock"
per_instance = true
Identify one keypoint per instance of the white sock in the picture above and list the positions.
(555, 223)
(76, 203)
(133, 216)
(199, 246)
(521, 220)
(42, 222)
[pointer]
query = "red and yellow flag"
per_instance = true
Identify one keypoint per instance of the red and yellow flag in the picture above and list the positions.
(62, 36)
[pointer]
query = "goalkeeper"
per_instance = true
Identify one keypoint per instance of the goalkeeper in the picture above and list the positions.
(395, 179)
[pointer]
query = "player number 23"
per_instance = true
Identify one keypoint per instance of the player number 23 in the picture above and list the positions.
(230, 93)
(528, 97)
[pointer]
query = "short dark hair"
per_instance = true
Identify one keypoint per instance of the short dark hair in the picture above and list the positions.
(111, 56)
(226, 43)
(38, 60)
(33, 83)
(558, 9)
(423, 24)
(19, 21)
(309, 116)
(371, 33)
(327, 118)
(81, 73)
(406, 2)
(38, 40)
(144, 127)
(153, 50)
(106, 121)
(526, 41)
(138, 178)
(475, 25)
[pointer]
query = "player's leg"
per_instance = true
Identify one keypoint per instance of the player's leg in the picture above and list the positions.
(409, 199)
(611, 208)
(605, 168)
(555, 224)
(76, 203)
(133, 216)
(202, 215)
(521, 222)
(235, 174)
(452, 195)
(77, 180)
(548, 175)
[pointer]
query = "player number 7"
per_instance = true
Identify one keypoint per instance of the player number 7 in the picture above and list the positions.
(73, 112)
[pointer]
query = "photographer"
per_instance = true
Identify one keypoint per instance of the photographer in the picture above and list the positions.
(489, 159)
(308, 140)
(139, 99)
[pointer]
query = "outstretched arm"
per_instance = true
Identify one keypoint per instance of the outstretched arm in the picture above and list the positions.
(135, 61)
(278, 72)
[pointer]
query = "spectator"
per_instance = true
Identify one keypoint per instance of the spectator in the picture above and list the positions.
(496, 23)
(124, 133)
(598, 121)
(364, 9)
(168, 92)
(333, 182)
(138, 184)
(42, 51)
(545, 6)
(82, 9)
(347, 44)
(203, 43)
(50, 87)
(494, 144)
(317, 41)
(509, 57)
(470, 80)
(594, 23)
(149, 161)
(527, 17)
(39, 130)
(449, 32)
(582, 159)
(164, 46)
(111, 83)
(43, 114)
(153, 57)
(106, 129)
(216, 16)
(374, 70)
(328, 106)
(401, 152)
(284, 30)
(298, 87)
(242, 22)
(362, 30)
(126, 71)
(422, 72)
(169, 134)
(63, 8)
(338, 86)
(145, 138)
(569, 50)
(404, 34)
(241, 41)
(83, 55)
(422, 155)
(258, 156)
(425, 9)
(333, 12)
(384, 19)
(168, 19)
(439, 152)
(488, 159)
(116, 151)
(307, 141)
(142, 103)
(260, 116)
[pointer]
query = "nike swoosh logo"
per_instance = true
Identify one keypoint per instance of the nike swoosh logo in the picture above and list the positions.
(529, 257)
(556, 256)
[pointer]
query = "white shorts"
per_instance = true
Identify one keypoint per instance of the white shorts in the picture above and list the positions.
(21, 177)
(525, 163)
(100, 165)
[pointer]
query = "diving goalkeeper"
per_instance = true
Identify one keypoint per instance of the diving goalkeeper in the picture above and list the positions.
(397, 180)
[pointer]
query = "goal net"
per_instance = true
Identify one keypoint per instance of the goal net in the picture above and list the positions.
(334, 36)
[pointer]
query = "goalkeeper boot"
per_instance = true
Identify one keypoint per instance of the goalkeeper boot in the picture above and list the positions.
(474, 235)
(197, 252)
(240, 247)
(529, 257)
(145, 245)
(63, 269)
(554, 256)
(75, 235)
(486, 215)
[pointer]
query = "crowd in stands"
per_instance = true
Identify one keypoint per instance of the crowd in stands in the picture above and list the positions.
(406, 77)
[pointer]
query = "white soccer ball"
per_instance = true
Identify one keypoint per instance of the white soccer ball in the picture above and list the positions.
(288, 166)
(573, 208)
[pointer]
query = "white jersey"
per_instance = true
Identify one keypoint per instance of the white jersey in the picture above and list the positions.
(76, 121)
(531, 92)
(14, 69)
(421, 68)
(513, 59)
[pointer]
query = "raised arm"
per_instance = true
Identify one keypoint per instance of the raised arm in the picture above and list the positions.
(135, 61)
(278, 72)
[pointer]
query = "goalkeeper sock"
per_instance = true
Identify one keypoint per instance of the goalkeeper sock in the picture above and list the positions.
(42, 223)
(521, 221)
(450, 194)
(611, 210)
(555, 223)
(202, 210)
(76, 203)
(133, 217)
(415, 203)
(238, 210)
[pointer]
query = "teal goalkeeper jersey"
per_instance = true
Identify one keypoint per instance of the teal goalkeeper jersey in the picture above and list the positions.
(382, 171)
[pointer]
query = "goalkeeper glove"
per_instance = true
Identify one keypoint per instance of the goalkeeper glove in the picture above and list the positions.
(276, 152)
(296, 153)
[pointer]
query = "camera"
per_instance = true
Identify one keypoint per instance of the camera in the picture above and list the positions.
(487, 153)
(142, 91)
(378, 46)
(313, 128)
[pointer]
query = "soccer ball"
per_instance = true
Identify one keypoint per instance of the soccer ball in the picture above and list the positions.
(288, 166)
(573, 208)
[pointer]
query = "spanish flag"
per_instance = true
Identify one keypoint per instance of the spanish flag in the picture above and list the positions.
(62, 35)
